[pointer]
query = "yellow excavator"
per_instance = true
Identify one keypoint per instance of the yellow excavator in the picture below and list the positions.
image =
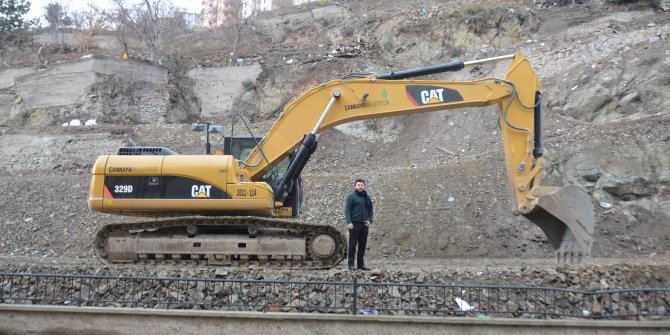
(235, 208)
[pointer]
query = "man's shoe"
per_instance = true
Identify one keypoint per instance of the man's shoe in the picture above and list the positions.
(364, 268)
(351, 268)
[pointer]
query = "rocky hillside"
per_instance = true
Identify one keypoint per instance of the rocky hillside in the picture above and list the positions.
(437, 179)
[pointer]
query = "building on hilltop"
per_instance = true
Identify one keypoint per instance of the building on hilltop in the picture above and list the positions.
(225, 12)
(191, 20)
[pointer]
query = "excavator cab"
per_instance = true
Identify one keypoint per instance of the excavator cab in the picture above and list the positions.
(240, 147)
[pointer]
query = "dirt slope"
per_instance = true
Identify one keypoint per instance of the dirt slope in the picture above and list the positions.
(438, 179)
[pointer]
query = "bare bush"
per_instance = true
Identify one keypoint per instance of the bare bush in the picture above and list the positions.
(149, 21)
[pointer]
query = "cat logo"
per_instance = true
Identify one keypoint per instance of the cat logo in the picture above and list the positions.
(432, 96)
(200, 191)
(421, 95)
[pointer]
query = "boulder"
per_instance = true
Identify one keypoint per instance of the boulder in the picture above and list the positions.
(628, 187)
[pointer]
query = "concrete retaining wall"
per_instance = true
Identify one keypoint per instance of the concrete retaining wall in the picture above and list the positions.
(55, 90)
(102, 41)
(216, 87)
(66, 84)
(7, 76)
(21, 319)
(6, 105)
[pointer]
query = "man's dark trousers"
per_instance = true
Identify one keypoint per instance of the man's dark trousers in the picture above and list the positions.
(358, 235)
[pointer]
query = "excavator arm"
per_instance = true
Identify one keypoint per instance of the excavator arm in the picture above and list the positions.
(564, 214)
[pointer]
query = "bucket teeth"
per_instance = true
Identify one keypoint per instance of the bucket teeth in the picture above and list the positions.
(571, 253)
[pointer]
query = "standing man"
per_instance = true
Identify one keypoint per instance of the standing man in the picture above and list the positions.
(359, 214)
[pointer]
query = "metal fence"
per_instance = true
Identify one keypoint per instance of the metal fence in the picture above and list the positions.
(354, 297)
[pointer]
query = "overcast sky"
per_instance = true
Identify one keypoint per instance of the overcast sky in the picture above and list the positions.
(37, 6)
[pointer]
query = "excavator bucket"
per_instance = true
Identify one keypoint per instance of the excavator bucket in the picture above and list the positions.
(567, 218)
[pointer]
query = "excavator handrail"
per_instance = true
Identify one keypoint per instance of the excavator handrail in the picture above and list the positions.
(251, 133)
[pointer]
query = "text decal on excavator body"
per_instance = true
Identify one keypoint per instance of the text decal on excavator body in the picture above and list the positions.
(367, 104)
(160, 187)
(115, 169)
(421, 95)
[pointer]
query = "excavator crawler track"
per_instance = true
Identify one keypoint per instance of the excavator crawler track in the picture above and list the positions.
(225, 241)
